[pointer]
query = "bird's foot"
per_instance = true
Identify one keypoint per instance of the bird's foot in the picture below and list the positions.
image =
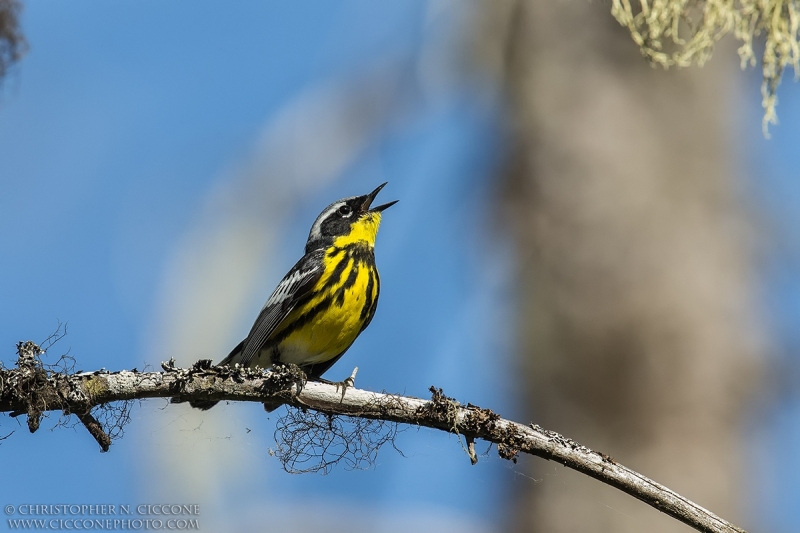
(348, 382)
(290, 377)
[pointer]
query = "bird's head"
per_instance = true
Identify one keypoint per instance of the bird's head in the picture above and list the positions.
(346, 221)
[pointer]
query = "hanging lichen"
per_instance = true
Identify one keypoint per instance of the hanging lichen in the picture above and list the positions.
(683, 32)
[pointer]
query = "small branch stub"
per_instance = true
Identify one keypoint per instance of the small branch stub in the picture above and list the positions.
(473, 457)
(95, 430)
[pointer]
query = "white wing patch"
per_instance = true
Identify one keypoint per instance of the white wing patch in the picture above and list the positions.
(278, 306)
(287, 287)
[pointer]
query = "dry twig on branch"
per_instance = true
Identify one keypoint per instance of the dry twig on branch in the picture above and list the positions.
(31, 389)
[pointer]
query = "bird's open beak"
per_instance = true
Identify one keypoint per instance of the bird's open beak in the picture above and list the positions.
(371, 196)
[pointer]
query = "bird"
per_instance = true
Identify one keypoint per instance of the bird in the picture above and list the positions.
(326, 299)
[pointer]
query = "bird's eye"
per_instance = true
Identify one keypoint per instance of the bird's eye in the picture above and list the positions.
(345, 211)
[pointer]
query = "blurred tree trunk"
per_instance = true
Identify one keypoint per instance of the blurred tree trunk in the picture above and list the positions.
(637, 333)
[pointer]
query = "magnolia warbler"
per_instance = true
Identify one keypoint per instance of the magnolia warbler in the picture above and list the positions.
(327, 298)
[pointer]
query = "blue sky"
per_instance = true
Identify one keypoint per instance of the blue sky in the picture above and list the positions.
(773, 167)
(123, 135)
(119, 133)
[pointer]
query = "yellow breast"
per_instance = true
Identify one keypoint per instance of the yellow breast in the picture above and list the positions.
(342, 303)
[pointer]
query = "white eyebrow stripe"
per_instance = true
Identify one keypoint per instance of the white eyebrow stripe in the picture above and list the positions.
(316, 229)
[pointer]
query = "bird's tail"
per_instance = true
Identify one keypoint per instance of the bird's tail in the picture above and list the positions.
(236, 352)
(205, 405)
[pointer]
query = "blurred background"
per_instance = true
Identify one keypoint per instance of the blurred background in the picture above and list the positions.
(583, 241)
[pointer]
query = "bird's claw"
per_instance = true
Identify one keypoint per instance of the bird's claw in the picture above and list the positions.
(348, 382)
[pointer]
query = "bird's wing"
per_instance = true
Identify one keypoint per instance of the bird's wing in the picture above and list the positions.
(296, 284)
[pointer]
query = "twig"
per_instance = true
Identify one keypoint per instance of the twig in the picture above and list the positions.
(95, 429)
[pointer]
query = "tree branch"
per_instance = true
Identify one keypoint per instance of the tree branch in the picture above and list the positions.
(30, 389)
